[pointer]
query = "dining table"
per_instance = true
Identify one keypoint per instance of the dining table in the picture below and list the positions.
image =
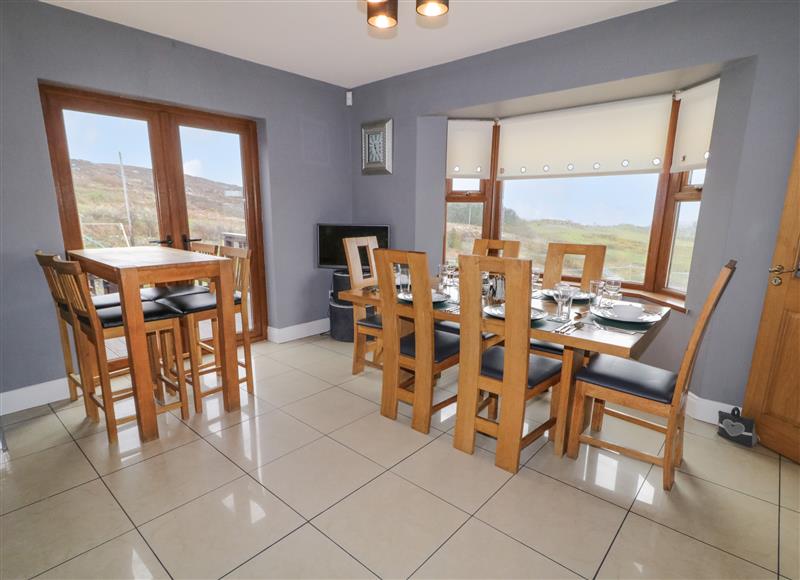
(132, 267)
(594, 336)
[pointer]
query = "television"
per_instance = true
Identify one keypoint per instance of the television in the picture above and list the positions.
(330, 249)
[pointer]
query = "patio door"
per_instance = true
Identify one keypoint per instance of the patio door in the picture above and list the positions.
(133, 173)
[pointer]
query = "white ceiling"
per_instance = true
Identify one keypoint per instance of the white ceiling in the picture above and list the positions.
(330, 40)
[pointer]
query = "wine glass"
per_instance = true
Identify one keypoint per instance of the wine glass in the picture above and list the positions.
(563, 294)
(536, 281)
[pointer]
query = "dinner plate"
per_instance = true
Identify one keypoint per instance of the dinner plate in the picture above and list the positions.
(579, 296)
(644, 318)
(499, 311)
(436, 297)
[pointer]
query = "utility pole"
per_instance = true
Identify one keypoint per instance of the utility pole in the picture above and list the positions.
(125, 196)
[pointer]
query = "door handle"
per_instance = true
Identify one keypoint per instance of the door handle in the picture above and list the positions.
(166, 242)
(780, 270)
(187, 241)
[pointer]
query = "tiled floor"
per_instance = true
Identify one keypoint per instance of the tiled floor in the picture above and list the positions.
(308, 480)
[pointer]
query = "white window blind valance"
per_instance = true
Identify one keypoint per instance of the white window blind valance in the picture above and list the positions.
(619, 137)
(695, 121)
(469, 148)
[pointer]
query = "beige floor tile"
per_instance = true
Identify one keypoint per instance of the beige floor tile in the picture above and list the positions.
(33, 435)
(567, 525)
(289, 558)
(265, 367)
(289, 387)
(320, 362)
(367, 385)
(314, 477)
(260, 440)
(49, 532)
(268, 348)
(709, 431)
(24, 415)
(214, 418)
(337, 346)
(66, 403)
(739, 468)
(464, 480)
(156, 485)
(129, 449)
(630, 435)
(384, 441)
(330, 409)
(645, 549)
(390, 525)
(734, 522)
(790, 484)
(443, 420)
(79, 425)
(220, 530)
(607, 475)
(40, 475)
(124, 558)
(478, 551)
(790, 544)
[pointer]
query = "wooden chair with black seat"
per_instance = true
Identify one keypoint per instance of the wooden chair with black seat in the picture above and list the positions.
(637, 386)
(367, 327)
(509, 373)
(594, 257)
(92, 327)
(196, 308)
(499, 248)
(424, 353)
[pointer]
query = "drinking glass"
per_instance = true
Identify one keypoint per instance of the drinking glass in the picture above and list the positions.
(613, 288)
(485, 286)
(563, 294)
(444, 278)
(596, 288)
(536, 281)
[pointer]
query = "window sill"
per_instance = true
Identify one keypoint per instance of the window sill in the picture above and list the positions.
(678, 304)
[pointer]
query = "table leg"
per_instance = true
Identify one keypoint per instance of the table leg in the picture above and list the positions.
(572, 361)
(138, 358)
(227, 335)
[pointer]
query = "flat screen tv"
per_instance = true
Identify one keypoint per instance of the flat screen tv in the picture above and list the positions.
(330, 250)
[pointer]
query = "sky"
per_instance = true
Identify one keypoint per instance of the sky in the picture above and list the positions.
(100, 138)
(591, 200)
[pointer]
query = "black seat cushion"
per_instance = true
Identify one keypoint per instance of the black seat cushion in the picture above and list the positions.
(373, 321)
(106, 300)
(550, 347)
(445, 345)
(112, 316)
(540, 368)
(447, 326)
(170, 290)
(190, 303)
(629, 376)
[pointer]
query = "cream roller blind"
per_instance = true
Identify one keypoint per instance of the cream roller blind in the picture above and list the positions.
(469, 148)
(695, 120)
(618, 137)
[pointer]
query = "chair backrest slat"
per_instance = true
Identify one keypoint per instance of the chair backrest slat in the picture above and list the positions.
(241, 267)
(75, 284)
(204, 248)
(500, 248)
(355, 267)
(692, 348)
(593, 262)
(51, 276)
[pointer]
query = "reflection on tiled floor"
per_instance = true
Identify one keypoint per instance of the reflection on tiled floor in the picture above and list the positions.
(308, 480)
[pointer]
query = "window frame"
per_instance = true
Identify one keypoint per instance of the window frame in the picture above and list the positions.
(480, 195)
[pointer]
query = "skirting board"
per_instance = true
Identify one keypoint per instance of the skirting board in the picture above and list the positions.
(705, 410)
(299, 331)
(33, 396)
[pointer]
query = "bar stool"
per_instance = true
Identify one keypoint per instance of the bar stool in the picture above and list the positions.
(92, 327)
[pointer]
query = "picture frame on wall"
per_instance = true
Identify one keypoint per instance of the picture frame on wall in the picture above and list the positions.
(376, 147)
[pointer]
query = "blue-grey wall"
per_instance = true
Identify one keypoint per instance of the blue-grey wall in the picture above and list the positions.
(304, 159)
(752, 145)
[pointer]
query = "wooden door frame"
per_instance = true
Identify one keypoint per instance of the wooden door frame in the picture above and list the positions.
(163, 121)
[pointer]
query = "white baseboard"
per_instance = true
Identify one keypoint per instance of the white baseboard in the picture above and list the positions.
(33, 396)
(299, 331)
(705, 409)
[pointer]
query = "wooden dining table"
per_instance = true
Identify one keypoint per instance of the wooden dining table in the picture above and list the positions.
(619, 340)
(130, 268)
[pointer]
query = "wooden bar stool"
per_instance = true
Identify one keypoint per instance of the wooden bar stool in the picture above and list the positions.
(367, 326)
(92, 327)
(643, 388)
(196, 308)
(508, 373)
(424, 353)
(500, 248)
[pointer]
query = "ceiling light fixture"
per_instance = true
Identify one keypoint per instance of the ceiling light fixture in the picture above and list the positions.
(433, 7)
(382, 14)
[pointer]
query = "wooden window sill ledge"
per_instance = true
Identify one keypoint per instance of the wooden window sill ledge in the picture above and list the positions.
(674, 302)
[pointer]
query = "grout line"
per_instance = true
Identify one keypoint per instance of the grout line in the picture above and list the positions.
(780, 469)
(41, 499)
(103, 543)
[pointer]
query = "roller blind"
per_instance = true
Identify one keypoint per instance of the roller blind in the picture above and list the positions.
(695, 120)
(619, 137)
(469, 148)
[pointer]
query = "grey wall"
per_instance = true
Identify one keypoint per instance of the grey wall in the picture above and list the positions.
(304, 158)
(752, 144)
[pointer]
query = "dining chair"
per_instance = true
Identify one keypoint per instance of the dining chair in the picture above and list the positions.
(197, 308)
(501, 248)
(92, 327)
(509, 374)
(423, 352)
(367, 327)
(637, 386)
